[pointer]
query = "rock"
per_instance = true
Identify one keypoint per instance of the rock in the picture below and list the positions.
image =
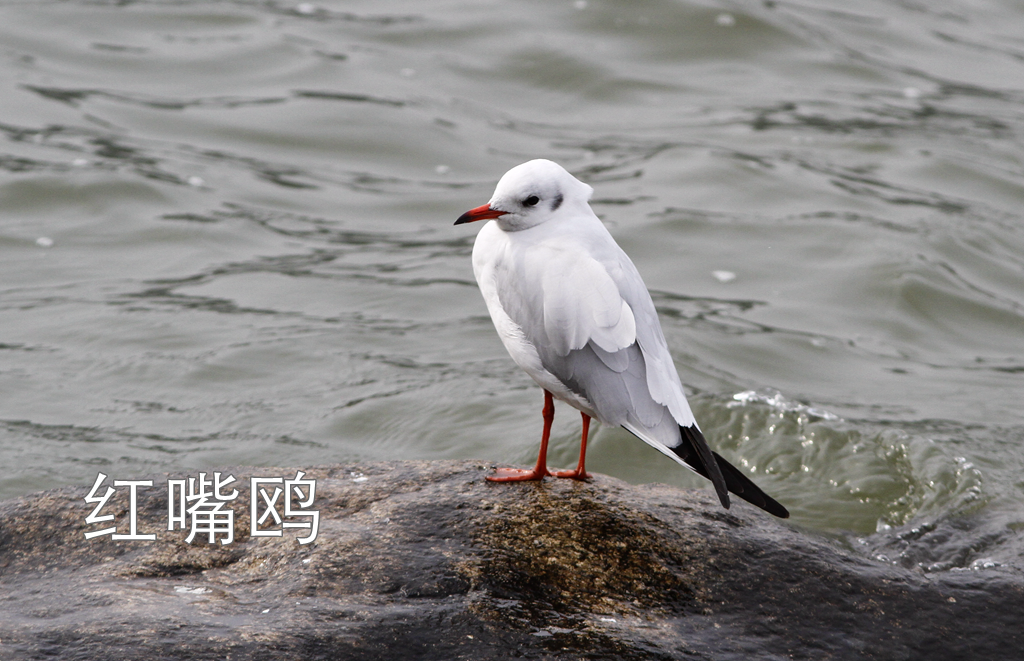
(426, 560)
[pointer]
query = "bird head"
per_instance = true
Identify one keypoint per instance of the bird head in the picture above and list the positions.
(530, 194)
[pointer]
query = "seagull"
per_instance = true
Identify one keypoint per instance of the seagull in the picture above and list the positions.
(574, 313)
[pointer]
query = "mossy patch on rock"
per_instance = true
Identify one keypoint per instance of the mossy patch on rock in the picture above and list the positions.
(578, 552)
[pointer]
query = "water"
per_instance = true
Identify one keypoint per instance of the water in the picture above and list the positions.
(227, 238)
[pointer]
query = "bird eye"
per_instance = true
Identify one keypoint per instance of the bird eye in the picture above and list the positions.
(531, 201)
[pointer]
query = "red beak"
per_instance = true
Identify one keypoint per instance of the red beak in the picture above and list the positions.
(480, 213)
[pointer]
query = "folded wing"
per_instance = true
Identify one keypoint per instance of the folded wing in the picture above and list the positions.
(595, 329)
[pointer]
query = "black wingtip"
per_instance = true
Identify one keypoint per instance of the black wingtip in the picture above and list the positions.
(731, 477)
(700, 456)
(744, 487)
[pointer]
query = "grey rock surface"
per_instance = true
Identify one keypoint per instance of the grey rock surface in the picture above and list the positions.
(427, 560)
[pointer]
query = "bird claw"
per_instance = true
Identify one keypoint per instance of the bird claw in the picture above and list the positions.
(517, 474)
(573, 475)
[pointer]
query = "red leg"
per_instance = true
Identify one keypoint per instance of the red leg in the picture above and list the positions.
(541, 469)
(580, 473)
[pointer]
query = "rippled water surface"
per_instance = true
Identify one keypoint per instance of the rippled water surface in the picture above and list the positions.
(226, 237)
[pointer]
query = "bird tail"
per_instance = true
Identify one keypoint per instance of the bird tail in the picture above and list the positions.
(697, 455)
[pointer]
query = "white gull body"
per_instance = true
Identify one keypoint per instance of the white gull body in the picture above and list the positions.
(574, 313)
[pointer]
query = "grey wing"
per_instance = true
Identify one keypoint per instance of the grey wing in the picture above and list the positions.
(662, 379)
(615, 383)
